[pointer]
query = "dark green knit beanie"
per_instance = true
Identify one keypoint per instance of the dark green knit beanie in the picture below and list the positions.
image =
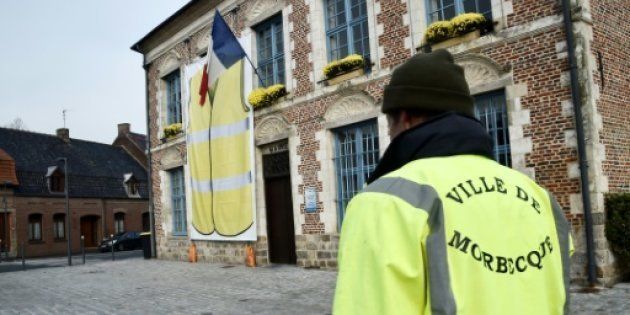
(430, 81)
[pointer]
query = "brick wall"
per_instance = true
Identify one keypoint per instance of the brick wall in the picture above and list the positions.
(525, 11)
(610, 39)
(395, 32)
(299, 18)
(536, 61)
(48, 207)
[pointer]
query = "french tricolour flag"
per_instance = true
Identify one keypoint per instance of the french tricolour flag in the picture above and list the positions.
(224, 50)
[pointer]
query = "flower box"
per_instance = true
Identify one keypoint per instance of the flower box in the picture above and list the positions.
(457, 40)
(263, 97)
(172, 131)
(345, 76)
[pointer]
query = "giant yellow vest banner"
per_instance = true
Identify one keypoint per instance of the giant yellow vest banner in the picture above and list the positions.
(220, 158)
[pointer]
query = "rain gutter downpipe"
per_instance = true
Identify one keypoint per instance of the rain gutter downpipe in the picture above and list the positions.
(581, 145)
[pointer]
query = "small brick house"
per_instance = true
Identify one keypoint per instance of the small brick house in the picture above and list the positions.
(327, 138)
(107, 190)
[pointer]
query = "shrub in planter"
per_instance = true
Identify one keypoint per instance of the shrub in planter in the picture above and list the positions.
(262, 97)
(468, 22)
(172, 130)
(618, 228)
(341, 66)
(439, 31)
(277, 91)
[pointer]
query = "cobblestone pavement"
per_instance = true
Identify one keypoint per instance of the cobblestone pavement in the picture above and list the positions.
(138, 286)
(132, 285)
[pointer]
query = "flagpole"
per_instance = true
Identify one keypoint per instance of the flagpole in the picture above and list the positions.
(255, 70)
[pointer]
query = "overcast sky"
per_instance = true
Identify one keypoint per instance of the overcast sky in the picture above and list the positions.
(74, 55)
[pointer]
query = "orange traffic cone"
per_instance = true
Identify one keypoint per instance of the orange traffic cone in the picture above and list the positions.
(250, 260)
(192, 253)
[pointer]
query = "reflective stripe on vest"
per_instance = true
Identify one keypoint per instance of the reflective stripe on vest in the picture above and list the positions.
(425, 198)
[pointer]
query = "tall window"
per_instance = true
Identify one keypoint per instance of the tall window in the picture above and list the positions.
(270, 51)
(35, 227)
(173, 98)
(59, 226)
(440, 10)
(491, 110)
(178, 199)
(119, 222)
(347, 28)
(356, 156)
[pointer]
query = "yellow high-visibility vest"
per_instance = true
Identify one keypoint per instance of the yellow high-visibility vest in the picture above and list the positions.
(453, 235)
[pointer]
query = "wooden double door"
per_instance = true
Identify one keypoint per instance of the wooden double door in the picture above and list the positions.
(280, 227)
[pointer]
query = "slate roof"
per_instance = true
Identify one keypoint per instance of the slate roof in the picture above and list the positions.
(96, 170)
(139, 139)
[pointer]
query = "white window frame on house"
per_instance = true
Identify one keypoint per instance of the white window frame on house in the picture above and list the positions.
(55, 180)
(178, 201)
(319, 40)
(119, 222)
(131, 185)
(491, 110)
(59, 226)
(275, 27)
(354, 160)
(35, 221)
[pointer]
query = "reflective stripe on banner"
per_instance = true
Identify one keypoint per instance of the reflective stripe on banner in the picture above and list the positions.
(425, 198)
(218, 132)
(222, 184)
(562, 228)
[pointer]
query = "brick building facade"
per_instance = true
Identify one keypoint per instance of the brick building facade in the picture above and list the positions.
(518, 74)
(107, 190)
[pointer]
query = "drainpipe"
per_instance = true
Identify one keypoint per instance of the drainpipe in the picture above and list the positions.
(150, 162)
(581, 143)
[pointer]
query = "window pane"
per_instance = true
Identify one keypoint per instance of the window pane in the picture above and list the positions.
(270, 51)
(485, 8)
(178, 201)
(449, 12)
(470, 6)
(356, 156)
(173, 98)
(491, 110)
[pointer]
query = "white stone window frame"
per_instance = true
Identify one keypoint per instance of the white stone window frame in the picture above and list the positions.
(347, 110)
(418, 18)
(319, 53)
(484, 75)
(170, 160)
(172, 62)
(274, 128)
(258, 13)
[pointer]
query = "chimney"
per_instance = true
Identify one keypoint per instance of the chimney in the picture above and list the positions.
(123, 129)
(64, 134)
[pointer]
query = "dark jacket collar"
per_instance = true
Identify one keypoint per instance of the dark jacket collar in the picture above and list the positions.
(444, 135)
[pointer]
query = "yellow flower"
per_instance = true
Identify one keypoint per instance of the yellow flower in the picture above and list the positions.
(439, 31)
(172, 130)
(468, 22)
(348, 63)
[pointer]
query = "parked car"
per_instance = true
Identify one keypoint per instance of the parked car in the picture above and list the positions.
(122, 241)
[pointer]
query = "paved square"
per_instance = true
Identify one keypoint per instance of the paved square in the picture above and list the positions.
(132, 285)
